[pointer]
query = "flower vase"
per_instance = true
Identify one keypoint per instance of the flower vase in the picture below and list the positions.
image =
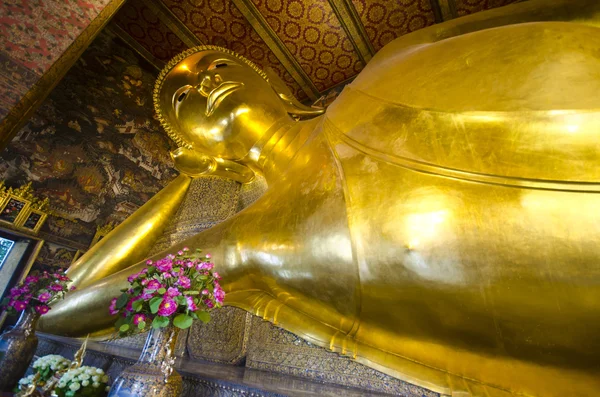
(153, 374)
(17, 347)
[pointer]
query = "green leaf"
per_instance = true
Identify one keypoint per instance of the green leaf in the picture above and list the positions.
(122, 301)
(203, 316)
(137, 305)
(162, 291)
(180, 300)
(160, 322)
(183, 321)
(141, 325)
(5, 301)
(120, 322)
(154, 304)
(191, 293)
(124, 328)
(194, 315)
(176, 269)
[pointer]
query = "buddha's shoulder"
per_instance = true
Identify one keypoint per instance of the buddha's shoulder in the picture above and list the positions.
(515, 102)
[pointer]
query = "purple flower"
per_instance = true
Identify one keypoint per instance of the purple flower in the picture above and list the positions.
(138, 318)
(15, 292)
(189, 264)
(184, 282)
(180, 253)
(149, 262)
(32, 279)
(186, 249)
(172, 291)
(154, 284)
(144, 282)
(216, 275)
(190, 303)
(219, 294)
(204, 265)
(208, 256)
(42, 309)
(73, 288)
(209, 303)
(19, 305)
(56, 287)
(204, 292)
(167, 307)
(132, 278)
(112, 309)
(164, 265)
(44, 297)
(166, 275)
(147, 295)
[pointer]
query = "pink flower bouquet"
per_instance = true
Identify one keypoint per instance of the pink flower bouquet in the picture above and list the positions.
(177, 289)
(36, 293)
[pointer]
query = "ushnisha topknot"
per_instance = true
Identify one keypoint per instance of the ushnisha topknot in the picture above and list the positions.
(171, 132)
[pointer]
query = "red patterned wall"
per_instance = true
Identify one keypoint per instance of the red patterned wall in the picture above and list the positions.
(147, 29)
(384, 20)
(219, 22)
(314, 36)
(33, 35)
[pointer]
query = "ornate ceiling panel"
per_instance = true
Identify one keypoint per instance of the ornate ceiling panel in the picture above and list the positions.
(316, 46)
(465, 7)
(137, 20)
(384, 20)
(313, 35)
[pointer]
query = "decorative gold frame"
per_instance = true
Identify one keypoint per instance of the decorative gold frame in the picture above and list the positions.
(38, 224)
(22, 213)
(101, 232)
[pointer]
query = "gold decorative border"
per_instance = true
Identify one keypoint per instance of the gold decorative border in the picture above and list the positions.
(350, 20)
(135, 46)
(261, 26)
(168, 18)
(20, 113)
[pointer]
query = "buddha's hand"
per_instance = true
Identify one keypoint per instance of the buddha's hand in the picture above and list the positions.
(193, 163)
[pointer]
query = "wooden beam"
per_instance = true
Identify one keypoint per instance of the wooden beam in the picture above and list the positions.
(350, 21)
(260, 25)
(168, 18)
(23, 110)
(135, 46)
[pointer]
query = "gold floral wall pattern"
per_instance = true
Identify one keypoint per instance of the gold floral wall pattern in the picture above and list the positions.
(94, 146)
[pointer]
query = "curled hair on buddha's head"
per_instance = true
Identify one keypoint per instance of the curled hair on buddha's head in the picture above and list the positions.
(292, 105)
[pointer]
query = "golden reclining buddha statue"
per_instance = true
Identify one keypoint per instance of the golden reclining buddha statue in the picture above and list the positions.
(440, 222)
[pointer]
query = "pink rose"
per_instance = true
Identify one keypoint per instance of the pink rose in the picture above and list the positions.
(154, 284)
(204, 292)
(138, 318)
(42, 309)
(164, 265)
(180, 253)
(73, 288)
(216, 275)
(172, 291)
(184, 282)
(186, 249)
(19, 305)
(147, 295)
(166, 275)
(208, 256)
(44, 297)
(56, 287)
(219, 294)
(144, 282)
(167, 307)
(190, 303)
(148, 262)
(209, 303)
(15, 292)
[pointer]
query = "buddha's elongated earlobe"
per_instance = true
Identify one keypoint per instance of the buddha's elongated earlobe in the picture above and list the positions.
(292, 105)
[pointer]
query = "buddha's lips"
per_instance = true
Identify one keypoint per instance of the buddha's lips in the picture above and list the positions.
(217, 95)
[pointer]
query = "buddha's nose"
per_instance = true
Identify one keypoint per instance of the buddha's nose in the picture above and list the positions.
(208, 82)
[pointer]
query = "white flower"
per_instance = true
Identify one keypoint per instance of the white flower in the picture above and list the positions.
(74, 386)
(84, 376)
(99, 371)
(85, 383)
(96, 378)
(96, 384)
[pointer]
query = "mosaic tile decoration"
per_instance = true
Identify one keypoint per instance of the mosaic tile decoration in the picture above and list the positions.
(273, 349)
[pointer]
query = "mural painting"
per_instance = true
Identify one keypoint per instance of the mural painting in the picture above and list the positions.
(94, 147)
(53, 257)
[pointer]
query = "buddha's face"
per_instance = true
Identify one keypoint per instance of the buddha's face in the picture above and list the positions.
(218, 104)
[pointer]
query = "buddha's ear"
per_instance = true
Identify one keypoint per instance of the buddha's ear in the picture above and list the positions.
(292, 105)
